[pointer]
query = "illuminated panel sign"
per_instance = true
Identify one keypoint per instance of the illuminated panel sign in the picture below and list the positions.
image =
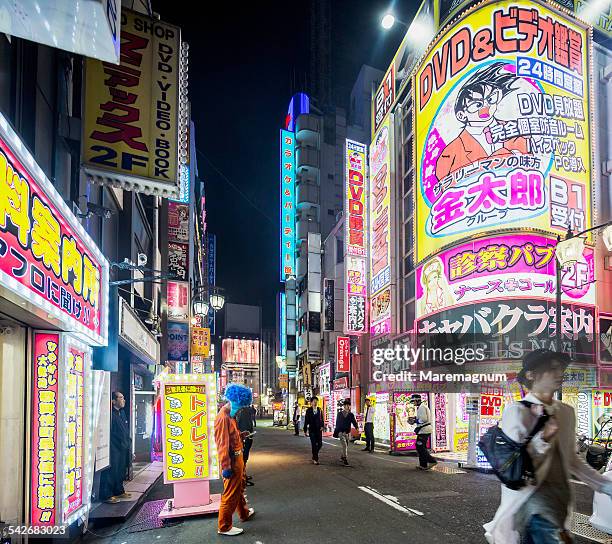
(384, 98)
(282, 326)
(512, 266)
(46, 256)
(240, 350)
(380, 230)
(211, 256)
(502, 125)
(74, 421)
(178, 300)
(343, 354)
(200, 342)
(356, 237)
(287, 212)
(299, 104)
(189, 410)
(44, 440)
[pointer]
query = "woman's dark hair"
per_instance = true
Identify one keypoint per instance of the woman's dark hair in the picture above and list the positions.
(346, 402)
(314, 398)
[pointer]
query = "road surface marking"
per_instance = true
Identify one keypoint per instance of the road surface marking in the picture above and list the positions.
(390, 501)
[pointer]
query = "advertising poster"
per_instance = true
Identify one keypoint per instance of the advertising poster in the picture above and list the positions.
(502, 126)
(382, 421)
(200, 342)
(605, 340)
(601, 413)
(178, 222)
(188, 419)
(460, 436)
(380, 230)
(508, 266)
(102, 385)
(178, 260)
(131, 123)
(287, 212)
(240, 350)
(403, 437)
(178, 301)
(74, 453)
(44, 446)
(343, 354)
(178, 341)
(491, 407)
(441, 418)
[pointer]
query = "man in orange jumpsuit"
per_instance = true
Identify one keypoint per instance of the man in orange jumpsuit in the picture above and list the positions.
(229, 447)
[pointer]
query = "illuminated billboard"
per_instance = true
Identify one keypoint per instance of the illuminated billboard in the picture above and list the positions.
(356, 238)
(513, 266)
(240, 351)
(287, 212)
(380, 230)
(502, 125)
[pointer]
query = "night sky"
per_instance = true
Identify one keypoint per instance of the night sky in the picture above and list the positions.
(242, 64)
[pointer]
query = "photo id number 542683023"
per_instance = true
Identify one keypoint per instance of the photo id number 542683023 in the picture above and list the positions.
(33, 530)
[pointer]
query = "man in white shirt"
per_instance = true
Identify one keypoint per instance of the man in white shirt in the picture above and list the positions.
(423, 431)
(368, 419)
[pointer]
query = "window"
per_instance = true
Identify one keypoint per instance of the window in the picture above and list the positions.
(339, 250)
(330, 176)
(409, 287)
(409, 312)
(408, 181)
(314, 321)
(408, 236)
(331, 212)
(408, 263)
(407, 124)
(408, 206)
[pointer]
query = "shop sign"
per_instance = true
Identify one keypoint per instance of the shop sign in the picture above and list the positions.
(45, 409)
(74, 455)
(440, 421)
(277, 406)
(211, 256)
(287, 199)
(519, 156)
(491, 408)
(340, 384)
(189, 409)
(510, 266)
(601, 409)
(343, 354)
(583, 413)
(380, 229)
(178, 260)
(102, 388)
(240, 350)
(178, 300)
(324, 377)
(283, 381)
(132, 110)
(200, 341)
(384, 98)
(605, 340)
(178, 222)
(329, 304)
(307, 376)
(132, 331)
(46, 256)
(178, 341)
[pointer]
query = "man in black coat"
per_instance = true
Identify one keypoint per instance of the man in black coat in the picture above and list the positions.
(313, 427)
(120, 450)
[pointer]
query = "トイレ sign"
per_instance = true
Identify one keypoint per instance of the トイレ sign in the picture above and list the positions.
(46, 256)
(343, 354)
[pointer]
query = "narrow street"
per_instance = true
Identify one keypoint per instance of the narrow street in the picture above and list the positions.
(379, 498)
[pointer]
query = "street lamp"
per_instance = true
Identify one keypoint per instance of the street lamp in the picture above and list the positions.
(200, 306)
(217, 300)
(387, 21)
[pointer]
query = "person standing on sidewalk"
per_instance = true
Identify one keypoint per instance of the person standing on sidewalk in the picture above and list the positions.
(344, 420)
(296, 419)
(313, 427)
(541, 512)
(246, 422)
(120, 451)
(368, 426)
(229, 447)
(423, 431)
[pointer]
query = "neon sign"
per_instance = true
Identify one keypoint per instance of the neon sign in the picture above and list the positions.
(287, 211)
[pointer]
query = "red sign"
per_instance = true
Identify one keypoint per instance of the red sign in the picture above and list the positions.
(343, 354)
(341, 383)
(43, 504)
(45, 254)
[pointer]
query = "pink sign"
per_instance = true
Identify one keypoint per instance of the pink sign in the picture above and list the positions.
(501, 267)
(178, 300)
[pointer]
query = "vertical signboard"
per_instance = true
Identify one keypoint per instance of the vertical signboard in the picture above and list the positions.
(287, 212)
(380, 230)
(178, 341)
(282, 325)
(329, 316)
(343, 354)
(356, 237)
(211, 257)
(178, 300)
(384, 98)
(188, 422)
(44, 440)
(200, 342)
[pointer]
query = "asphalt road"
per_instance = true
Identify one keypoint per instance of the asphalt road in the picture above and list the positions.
(378, 499)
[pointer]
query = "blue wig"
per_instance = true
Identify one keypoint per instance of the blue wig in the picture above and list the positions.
(238, 395)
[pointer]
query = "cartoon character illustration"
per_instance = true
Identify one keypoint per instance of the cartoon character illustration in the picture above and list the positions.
(437, 293)
(475, 108)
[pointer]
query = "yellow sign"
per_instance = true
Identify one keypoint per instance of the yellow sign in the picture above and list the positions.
(283, 381)
(131, 125)
(200, 341)
(502, 124)
(186, 428)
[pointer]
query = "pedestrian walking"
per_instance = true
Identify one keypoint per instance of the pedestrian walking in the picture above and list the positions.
(344, 420)
(120, 451)
(313, 427)
(540, 512)
(296, 419)
(246, 422)
(423, 431)
(254, 411)
(368, 426)
(230, 449)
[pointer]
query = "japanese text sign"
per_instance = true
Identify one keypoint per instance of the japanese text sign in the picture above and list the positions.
(131, 124)
(343, 354)
(44, 429)
(200, 341)
(287, 212)
(74, 421)
(178, 341)
(502, 125)
(178, 222)
(188, 419)
(380, 228)
(501, 267)
(356, 238)
(46, 256)
(178, 300)
(178, 260)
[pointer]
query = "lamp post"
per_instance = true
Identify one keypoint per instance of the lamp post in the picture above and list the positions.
(388, 21)
(567, 252)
